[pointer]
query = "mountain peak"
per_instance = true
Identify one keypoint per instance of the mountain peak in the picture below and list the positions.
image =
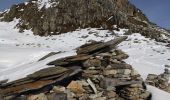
(46, 17)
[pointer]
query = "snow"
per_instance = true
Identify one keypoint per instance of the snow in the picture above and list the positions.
(145, 55)
(20, 52)
(46, 3)
(158, 94)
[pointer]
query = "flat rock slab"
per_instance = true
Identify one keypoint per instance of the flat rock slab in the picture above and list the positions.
(48, 55)
(86, 51)
(40, 80)
(70, 60)
(100, 46)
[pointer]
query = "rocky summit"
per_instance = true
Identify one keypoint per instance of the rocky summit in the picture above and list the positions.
(46, 17)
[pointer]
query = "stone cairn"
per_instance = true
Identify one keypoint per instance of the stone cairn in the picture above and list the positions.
(97, 72)
(160, 81)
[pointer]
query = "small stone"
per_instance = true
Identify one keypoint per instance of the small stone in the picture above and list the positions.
(114, 54)
(22, 97)
(91, 72)
(76, 87)
(111, 94)
(167, 71)
(100, 98)
(92, 86)
(108, 84)
(83, 82)
(167, 66)
(3, 81)
(120, 71)
(150, 82)
(59, 89)
(151, 77)
(57, 96)
(114, 99)
(134, 72)
(146, 95)
(110, 72)
(92, 63)
(162, 80)
(105, 54)
(41, 96)
(69, 93)
(94, 96)
(115, 61)
(127, 71)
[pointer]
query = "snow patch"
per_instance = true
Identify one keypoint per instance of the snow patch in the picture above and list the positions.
(158, 94)
(46, 3)
(145, 55)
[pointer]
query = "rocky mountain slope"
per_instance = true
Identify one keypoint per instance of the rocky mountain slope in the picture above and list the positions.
(47, 17)
(69, 49)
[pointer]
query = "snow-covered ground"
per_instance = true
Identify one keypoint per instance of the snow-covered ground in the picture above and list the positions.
(145, 55)
(158, 94)
(20, 52)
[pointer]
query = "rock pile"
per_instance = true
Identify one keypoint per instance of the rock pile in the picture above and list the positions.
(160, 81)
(113, 76)
(97, 72)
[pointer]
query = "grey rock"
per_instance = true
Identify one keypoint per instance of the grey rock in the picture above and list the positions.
(167, 71)
(40, 96)
(108, 84)
(22, 97)
(49, 55)
(100, 47)
(3, 81)
(146, 95)
(92, 63)
(57, 96)
(151, 77)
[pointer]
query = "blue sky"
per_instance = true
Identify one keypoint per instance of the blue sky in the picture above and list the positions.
(4, 4)
(158, 11)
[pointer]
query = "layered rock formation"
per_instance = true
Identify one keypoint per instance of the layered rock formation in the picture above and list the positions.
(46, 17)
(160, 81)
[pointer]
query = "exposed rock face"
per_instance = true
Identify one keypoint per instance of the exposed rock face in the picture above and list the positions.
(68, 15)
(160, 81)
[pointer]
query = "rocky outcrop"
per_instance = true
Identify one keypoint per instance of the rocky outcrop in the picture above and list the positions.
(98, 75)
(160, 81)
(68, 15)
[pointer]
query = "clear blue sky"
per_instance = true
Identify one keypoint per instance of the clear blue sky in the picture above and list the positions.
(158, 11)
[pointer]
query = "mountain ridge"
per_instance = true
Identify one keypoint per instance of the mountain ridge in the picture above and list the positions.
(52, 17)
(61, 16)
